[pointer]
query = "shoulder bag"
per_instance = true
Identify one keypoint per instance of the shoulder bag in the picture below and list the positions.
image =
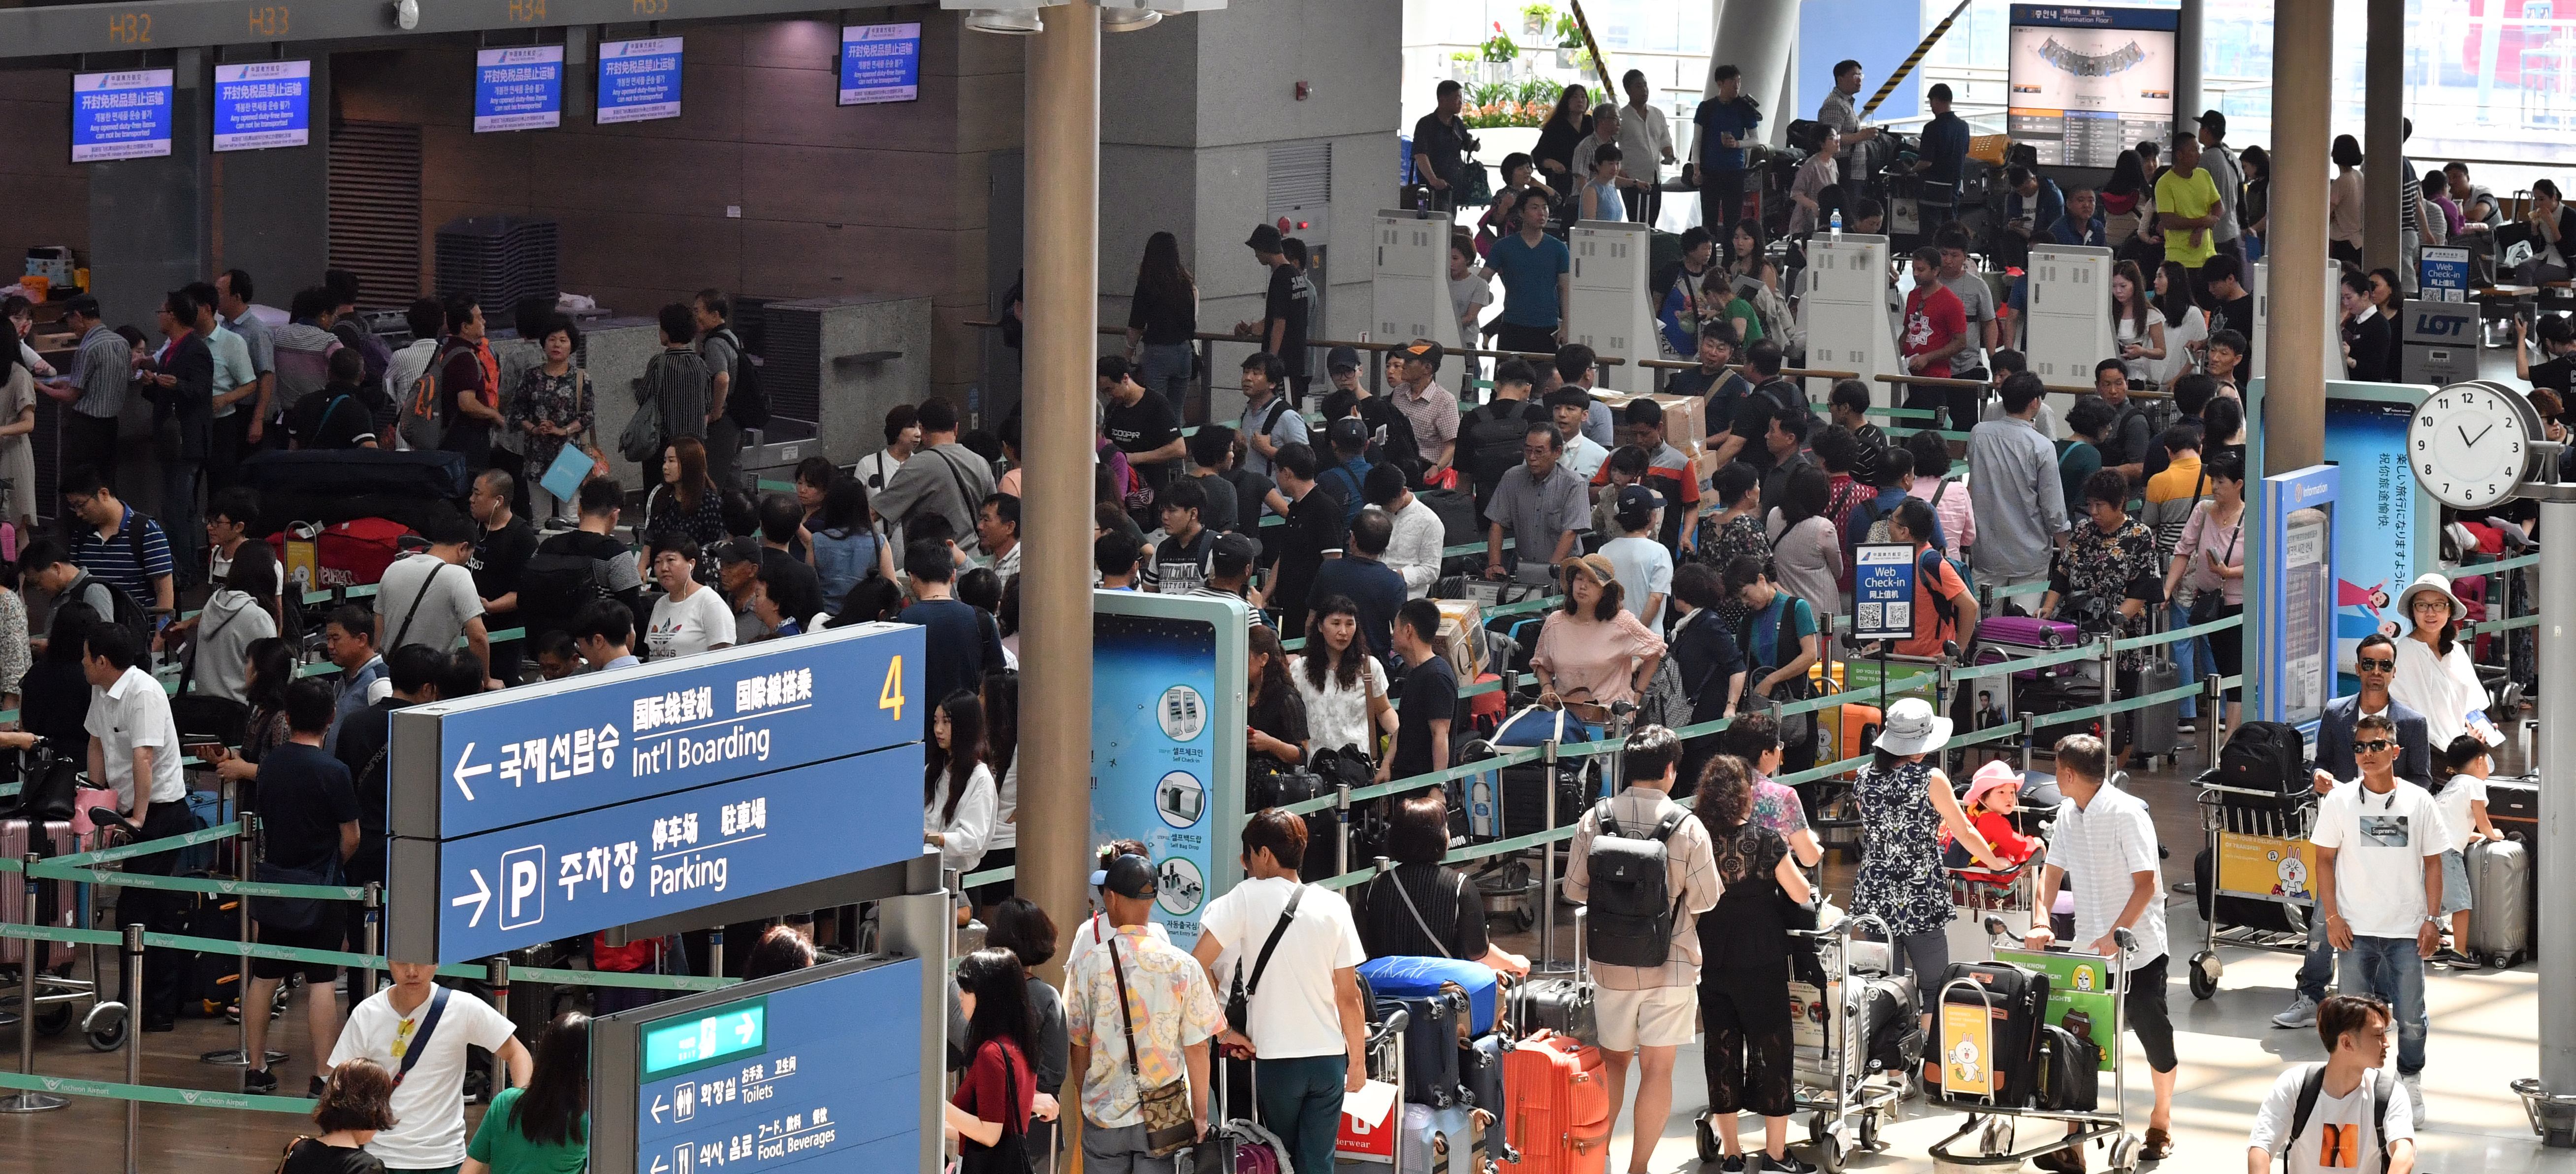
(2205, 605)
(1238, 1003)
(1169, 1125)
(425, 585)
(419, 1045)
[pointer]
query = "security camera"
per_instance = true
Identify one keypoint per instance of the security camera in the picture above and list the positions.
(407, 14)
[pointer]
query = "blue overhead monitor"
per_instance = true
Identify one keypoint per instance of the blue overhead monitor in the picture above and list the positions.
(121, 115)
(263, 104)
(880, 63)
(2088, 83)
(518, 89)
(639, 81)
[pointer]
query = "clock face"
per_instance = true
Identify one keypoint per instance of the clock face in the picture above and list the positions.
(2469, 444)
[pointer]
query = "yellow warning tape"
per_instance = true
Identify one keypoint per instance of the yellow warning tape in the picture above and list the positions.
(1913, 59)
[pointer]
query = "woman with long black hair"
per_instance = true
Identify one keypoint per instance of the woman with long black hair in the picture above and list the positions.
(54, 695)
(1343, 687)
(1744, 970)
(543, 1128)
(271, 669)
(1277, 727)
(1001, 696)
(989, 1115)
(957, 793)
(1557, 137)
(1162, 317)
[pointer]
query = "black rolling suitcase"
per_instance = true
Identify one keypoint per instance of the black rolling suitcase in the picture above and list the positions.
(1971, 1069)
(1430, 1046)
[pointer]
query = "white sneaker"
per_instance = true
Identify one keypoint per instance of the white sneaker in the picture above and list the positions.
(2302, 1012)
(2414, 1082)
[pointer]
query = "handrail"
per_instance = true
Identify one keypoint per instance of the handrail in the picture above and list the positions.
(1378, 347)
(1930, 381)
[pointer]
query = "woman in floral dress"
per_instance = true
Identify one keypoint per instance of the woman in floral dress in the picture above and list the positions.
(552, 408)
(1904, 802)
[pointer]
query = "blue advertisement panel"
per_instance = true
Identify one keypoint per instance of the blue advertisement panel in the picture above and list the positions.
(813, 1073)
(263, 104)
(2294, 642)
(880, 63)
(510, 758)
(1883, 591)
(1167, 743)
(656, 857)
(2385, 532)
(639, 81)
(121, 115)
(518, 89)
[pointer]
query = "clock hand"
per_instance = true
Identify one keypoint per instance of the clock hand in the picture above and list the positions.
(2482, 434)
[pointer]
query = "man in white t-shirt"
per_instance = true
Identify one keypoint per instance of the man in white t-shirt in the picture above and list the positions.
(1306, 1030)
(2379, 851)
(2104, 832)
(429, 1101)
(2353, 1109)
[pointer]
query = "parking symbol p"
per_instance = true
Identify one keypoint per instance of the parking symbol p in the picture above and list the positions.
(523, 890)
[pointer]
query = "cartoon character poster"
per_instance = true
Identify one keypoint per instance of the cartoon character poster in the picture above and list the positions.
(1967, 1050)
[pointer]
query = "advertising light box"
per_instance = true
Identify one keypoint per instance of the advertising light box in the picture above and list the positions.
(639, 81)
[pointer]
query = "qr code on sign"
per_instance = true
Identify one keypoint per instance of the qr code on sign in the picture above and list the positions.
(1872, 615)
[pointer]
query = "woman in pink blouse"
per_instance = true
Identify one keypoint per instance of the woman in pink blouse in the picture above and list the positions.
(1592, 649)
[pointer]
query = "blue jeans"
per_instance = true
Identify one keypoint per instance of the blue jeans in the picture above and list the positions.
(1167, 370)
(2391, 969)
(1301, 1101)
(2189, 657)
(2319, 966)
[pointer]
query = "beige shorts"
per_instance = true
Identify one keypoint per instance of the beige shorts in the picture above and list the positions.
(1661, 1017)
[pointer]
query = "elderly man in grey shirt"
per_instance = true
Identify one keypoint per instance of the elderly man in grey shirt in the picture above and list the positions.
(1541, 506)
(102, 371)
(2020, 504)
(1859, 144)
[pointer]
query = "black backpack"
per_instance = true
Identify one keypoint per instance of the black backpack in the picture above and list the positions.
(2263, 756)
(1491, 436)
(1633, 910)
(553, 588)
(746, 403)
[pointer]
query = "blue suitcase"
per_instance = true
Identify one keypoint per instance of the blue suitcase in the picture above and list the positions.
(1418, 978)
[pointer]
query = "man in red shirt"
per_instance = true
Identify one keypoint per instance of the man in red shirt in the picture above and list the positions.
(1936, 328)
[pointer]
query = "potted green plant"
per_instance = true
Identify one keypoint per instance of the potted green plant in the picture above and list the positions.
(1536, 19)
(1499, 49)
(1569, 43)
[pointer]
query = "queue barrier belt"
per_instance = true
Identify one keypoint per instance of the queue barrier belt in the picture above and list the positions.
(471, 970)
(80, 1086)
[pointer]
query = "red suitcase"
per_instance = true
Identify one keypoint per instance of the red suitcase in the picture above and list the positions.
(1559, 1115)
(58, 899)
(352, 553)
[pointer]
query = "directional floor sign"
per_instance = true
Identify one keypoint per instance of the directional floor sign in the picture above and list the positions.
(817, 1075)
(551, 811)
(1883, 591)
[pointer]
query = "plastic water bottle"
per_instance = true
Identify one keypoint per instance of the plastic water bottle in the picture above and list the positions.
(1835, 225)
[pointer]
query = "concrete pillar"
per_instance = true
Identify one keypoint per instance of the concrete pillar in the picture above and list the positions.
(1063, 235)
(2187, 57)
(1756, 36)
(2294, 370)
(275, 220)
(2383, 146)
(149, 231)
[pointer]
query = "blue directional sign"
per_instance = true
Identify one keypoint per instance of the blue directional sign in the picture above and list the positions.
(1883, 591)
(880, 63)
(121, 115)
(518, 89)
(516, 756)
(636, 861)
(639, 80)
(263, 104)
(818, 1072)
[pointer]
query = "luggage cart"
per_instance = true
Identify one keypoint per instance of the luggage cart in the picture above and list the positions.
(1988, 907)
(60, 996)
(1846, 1100)
(2265, 835)
(1991, 1127)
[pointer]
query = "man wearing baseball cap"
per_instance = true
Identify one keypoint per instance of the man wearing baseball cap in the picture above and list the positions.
(1230, 574)
(1390, 434)
(2220, 163)
(1285, 307)
(1138, 1012)
(1349, 470)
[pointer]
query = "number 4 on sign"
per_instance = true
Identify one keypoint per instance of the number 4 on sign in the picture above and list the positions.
(891, 695)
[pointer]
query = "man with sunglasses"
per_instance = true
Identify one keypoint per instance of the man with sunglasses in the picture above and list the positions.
(2376, 664)
(2378, 884)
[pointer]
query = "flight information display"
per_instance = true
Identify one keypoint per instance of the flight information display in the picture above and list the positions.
(2088, 83)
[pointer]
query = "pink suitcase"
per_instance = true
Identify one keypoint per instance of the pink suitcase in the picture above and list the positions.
(60, 906)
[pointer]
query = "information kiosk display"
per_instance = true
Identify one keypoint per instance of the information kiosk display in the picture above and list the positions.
(1167, 748)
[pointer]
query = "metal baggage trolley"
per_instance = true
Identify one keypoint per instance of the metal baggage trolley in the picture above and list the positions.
(1990, 907)
(1846, 1100)
(1989, 1127)
(2258, 851)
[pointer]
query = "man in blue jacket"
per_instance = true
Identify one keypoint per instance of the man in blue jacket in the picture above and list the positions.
(2082, 223)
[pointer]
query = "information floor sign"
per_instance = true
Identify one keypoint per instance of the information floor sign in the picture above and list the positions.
(818, 1069)
(607, 799)
(2293, 638)
(1882, 591)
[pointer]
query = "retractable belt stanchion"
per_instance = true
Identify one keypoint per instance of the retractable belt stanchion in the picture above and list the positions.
(133, 1046)
(499, 977)
(1547, 862)
(245, 858)
(375, 931)
(30, 1101)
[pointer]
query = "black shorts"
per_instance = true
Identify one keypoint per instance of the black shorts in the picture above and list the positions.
(327, 933)
(2144, 1008)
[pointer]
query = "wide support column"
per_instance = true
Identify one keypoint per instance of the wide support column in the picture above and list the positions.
(2187, 54)
(1755, 36)
(2556, 851)
(149, 227)
(1063, 235)
(2383, 147)
(2294, 389)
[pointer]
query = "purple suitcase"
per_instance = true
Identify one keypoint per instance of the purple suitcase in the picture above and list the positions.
(59, 896)
(2025, 634)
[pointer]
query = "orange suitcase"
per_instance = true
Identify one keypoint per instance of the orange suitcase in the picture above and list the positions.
(1559, 1116)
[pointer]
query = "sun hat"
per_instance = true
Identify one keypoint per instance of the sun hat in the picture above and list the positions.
(1912, 728)
(1991, 777)
(2430, 581)
(1595, 565)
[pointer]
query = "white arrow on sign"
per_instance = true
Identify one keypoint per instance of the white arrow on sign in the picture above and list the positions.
(659, 1165)
(658, 1106)
(480, 897)
(464, 772)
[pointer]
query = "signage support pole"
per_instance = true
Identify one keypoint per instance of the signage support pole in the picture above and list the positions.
(918, 925)
(2556, 948)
